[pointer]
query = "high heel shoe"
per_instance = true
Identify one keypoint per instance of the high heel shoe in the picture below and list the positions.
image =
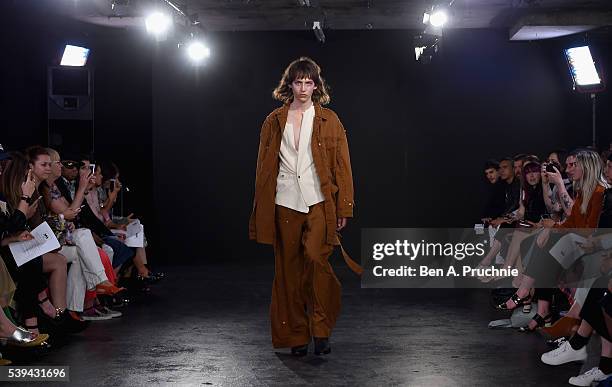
(518, 301)
(563, 327)
(146, 280)
(4, 362)
(26, 339)
(108, 290)
(540, 322)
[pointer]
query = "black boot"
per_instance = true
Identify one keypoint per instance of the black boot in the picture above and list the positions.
(322, 346)
(300, 351)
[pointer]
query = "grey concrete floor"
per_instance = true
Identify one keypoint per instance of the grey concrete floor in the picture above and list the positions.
(208, 325)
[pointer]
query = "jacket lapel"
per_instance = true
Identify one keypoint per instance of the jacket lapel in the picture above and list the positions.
(281, 117)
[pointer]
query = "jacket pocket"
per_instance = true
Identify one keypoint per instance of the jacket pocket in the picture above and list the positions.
(284, 181)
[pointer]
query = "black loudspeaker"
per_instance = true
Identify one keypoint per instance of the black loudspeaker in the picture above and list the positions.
(70, 109)
(70, 93)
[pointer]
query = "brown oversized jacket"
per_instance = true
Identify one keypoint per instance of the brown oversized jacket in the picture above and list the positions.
(330, 154)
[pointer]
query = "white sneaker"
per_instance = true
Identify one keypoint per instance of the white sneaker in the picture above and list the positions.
(587, 378)
(564, 354)
(93, 314)
(110, 312)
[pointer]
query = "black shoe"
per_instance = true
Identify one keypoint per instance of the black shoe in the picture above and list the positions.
(300, 351)
(321, 346)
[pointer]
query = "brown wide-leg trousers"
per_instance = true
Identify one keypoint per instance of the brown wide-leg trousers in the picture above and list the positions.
(306, 293)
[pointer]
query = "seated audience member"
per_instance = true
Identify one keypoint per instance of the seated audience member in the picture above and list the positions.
(93, 201)
(566, 325)
(30, 277)
(510, 188)
(495, 203)
(609, 169)
(530, 211)
(512, 191)
(13, 334)
(596, 315)
(590, 185)
(491, 171)
(517, 164)
(558, 157)
(5, 157)
(69, 189)
(558, 191)
(87, 271)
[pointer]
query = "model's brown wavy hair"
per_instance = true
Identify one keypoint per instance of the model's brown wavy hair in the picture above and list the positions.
(302, 68)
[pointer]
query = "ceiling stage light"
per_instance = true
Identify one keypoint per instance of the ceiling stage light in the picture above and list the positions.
(158, 23)
(74, 56)
(197, 51)
(438, 18)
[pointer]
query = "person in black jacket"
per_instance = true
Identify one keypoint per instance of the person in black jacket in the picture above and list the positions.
(496, 194)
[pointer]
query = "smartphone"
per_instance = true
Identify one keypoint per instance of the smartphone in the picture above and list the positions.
(112, 184)
(92, 168)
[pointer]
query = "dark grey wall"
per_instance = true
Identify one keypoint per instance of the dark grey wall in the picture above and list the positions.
(418, 134)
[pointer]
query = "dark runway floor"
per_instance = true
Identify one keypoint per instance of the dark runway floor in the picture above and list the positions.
(208, 325)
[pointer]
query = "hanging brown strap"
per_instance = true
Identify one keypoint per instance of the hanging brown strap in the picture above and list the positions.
(354, 266)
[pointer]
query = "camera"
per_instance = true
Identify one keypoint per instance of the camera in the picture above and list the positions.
(550, 167)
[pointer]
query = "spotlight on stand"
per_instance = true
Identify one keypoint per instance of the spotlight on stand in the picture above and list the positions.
(316, 27)
(197, 51)
(74, 56)
(425, 47)
(158, 24)
(585, 77)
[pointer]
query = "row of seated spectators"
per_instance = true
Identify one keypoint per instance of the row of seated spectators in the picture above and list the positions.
(97, 268)
(535, 208)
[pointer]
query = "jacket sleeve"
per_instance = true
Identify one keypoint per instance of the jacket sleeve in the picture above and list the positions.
(264, 143)
(344, 177)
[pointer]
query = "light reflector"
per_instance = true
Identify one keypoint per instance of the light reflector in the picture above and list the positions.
(74, 56)
(582, 67)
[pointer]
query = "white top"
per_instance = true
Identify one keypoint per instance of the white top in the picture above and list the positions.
(298, 185)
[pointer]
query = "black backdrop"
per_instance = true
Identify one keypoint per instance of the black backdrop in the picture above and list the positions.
(418, 134)
(186, 139)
